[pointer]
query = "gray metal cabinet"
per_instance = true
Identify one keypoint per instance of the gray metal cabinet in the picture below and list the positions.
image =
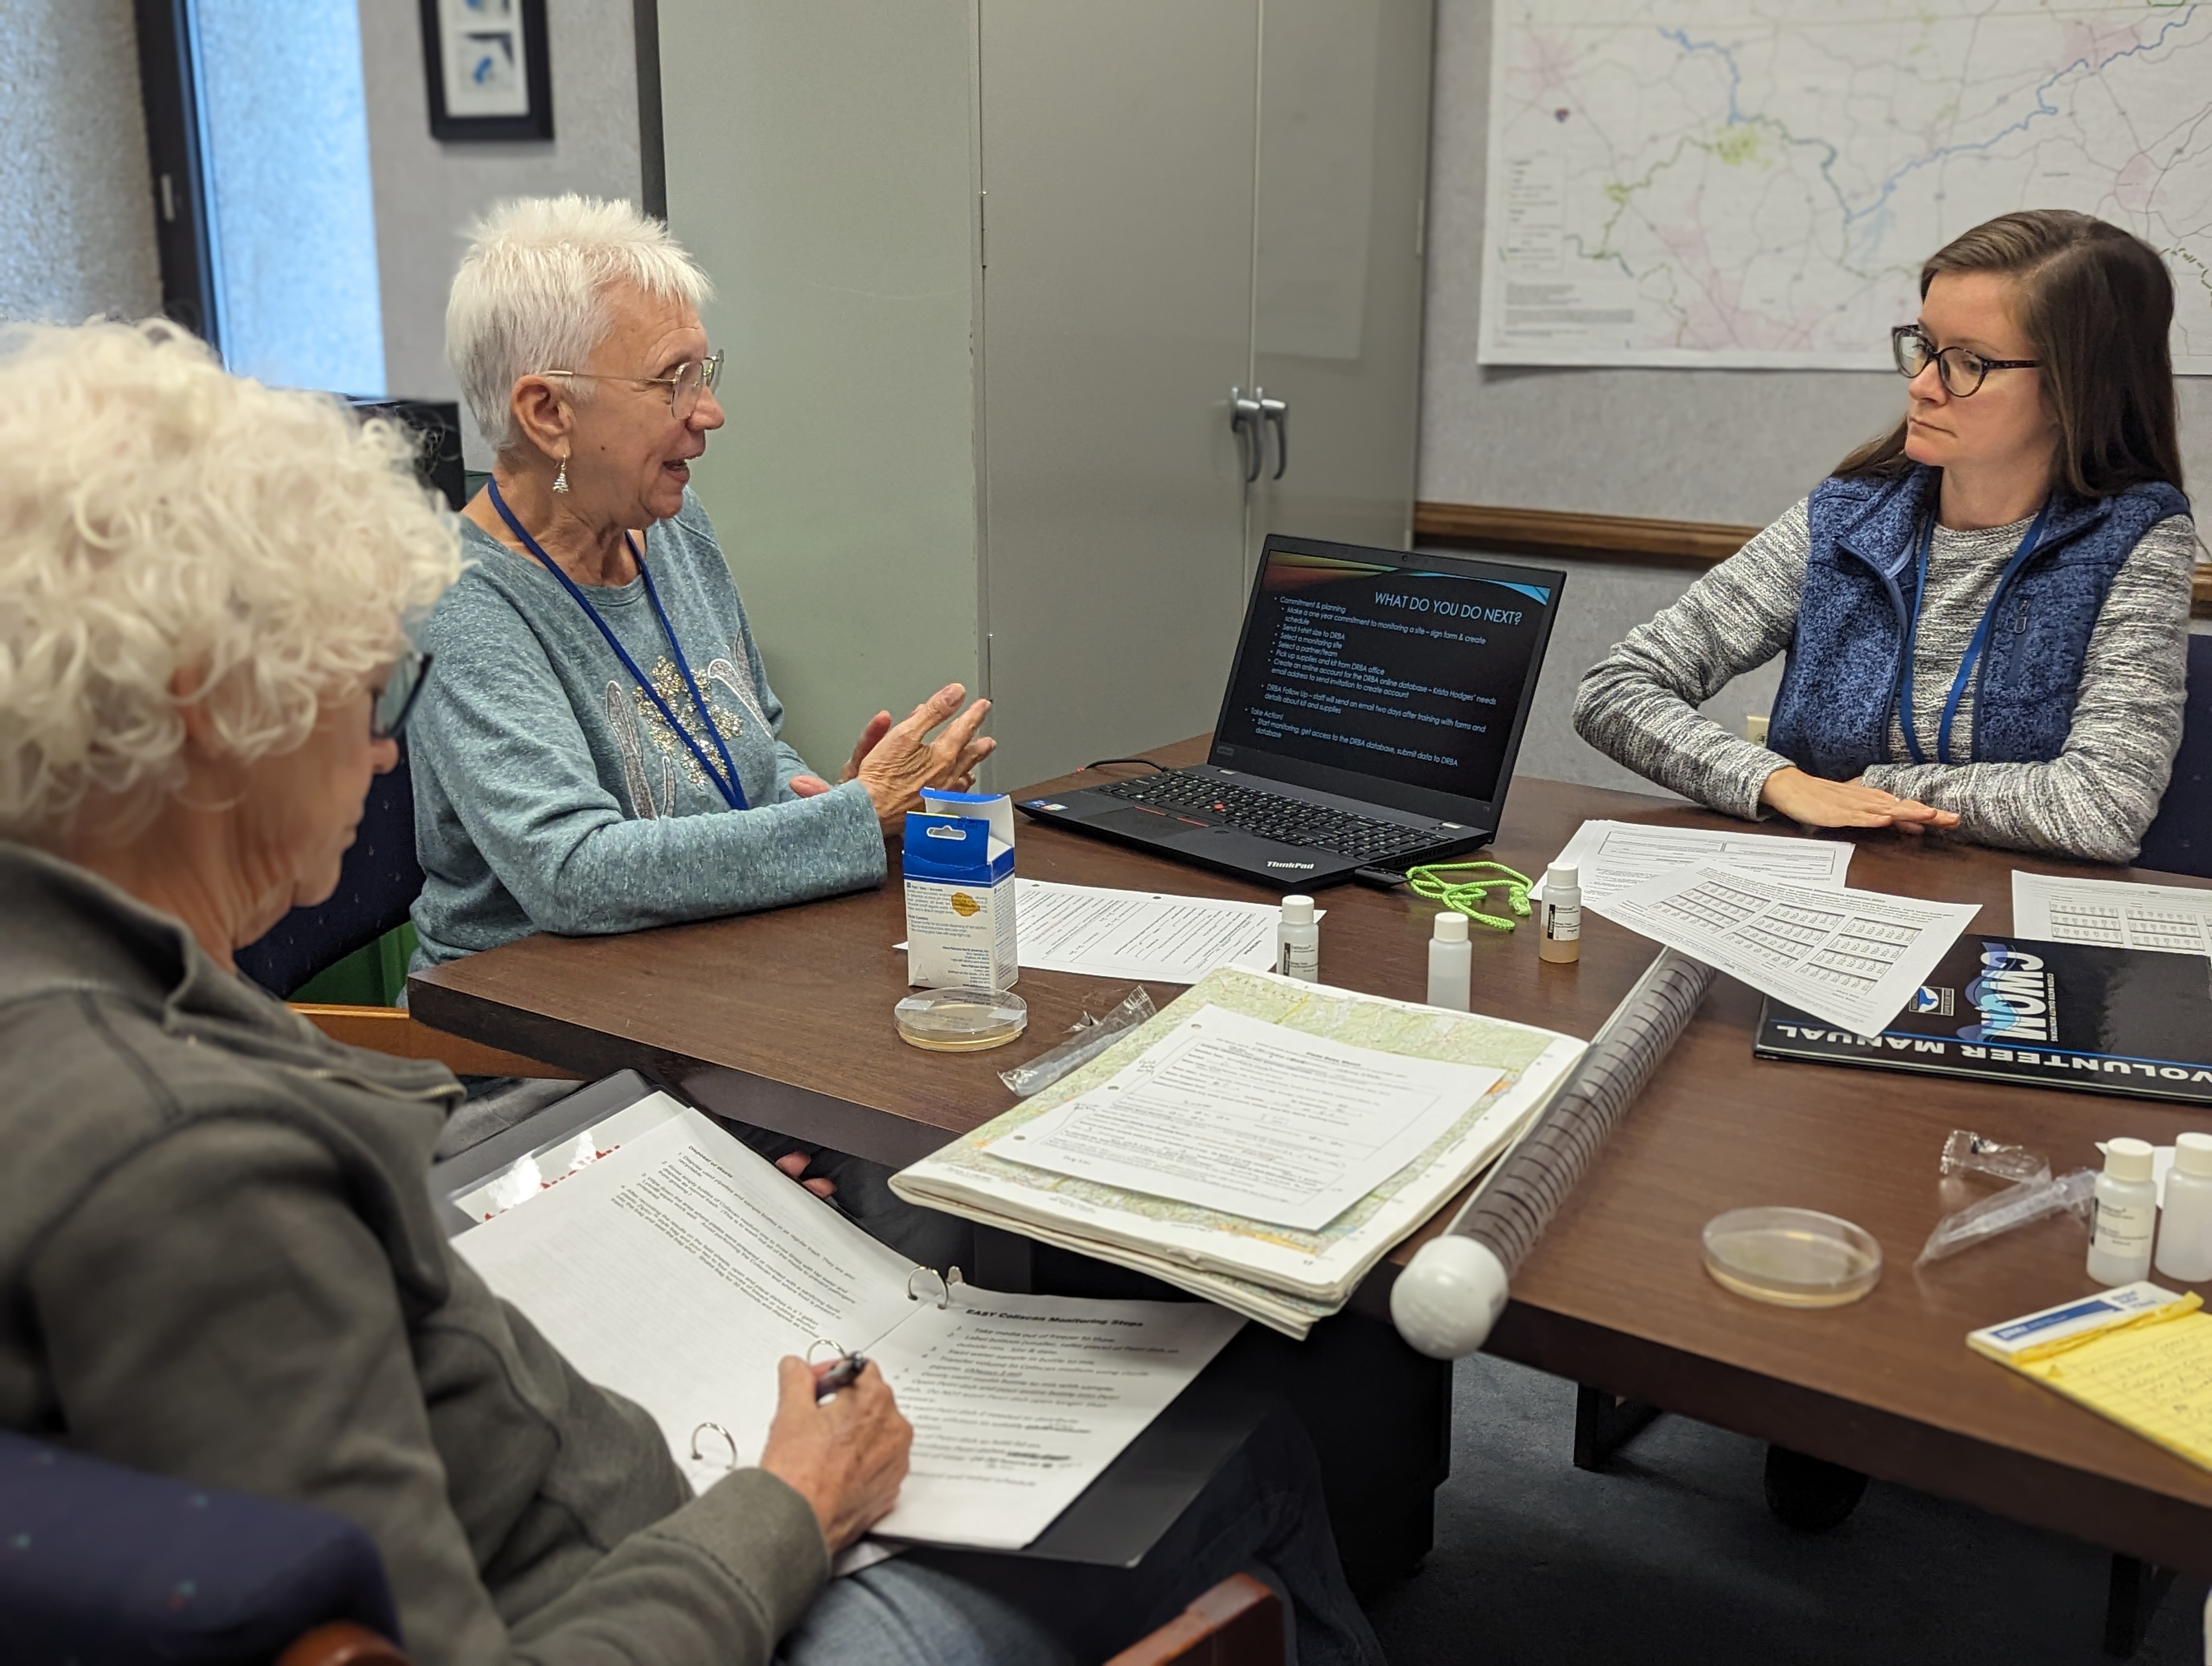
(989, 273)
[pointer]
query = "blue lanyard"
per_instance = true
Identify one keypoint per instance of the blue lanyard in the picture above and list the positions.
(1979, 640)
(727, 784)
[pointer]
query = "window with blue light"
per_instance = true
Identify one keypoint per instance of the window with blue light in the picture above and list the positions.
(291, 219)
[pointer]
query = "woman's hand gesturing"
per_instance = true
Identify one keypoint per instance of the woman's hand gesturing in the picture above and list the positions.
(904, 759)
(1816, 802)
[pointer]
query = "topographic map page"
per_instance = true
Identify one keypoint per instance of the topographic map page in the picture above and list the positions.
(1756, 182)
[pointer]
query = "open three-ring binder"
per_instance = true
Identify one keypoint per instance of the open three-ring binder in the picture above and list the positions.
(674, 1266)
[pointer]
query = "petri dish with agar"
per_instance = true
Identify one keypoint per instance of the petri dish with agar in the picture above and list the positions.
(961, 1020)
(1791, 1257)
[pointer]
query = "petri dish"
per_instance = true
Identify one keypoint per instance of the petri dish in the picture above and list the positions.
(1792, 1257)
(961, 1020)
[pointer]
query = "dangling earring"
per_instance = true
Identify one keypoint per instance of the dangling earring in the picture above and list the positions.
(561, 480)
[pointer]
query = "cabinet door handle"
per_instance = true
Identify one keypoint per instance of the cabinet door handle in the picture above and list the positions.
(1277, 412)
(1244, 417)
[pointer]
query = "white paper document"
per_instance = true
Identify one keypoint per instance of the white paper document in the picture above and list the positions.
(678, 1270)
(1614, 855)
(1141, 935)
(1146, 936)
(2112, 914)
(1235, 1114)
(1852, 958)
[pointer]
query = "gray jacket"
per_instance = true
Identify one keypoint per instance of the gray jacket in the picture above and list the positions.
(219, 1262)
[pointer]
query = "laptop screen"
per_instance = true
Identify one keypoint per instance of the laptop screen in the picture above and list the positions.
(1413, 670)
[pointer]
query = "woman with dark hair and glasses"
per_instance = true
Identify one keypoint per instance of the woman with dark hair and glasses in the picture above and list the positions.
(1986, 610)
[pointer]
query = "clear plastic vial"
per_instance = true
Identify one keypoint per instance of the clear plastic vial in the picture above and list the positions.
(1561, 939)
(2127, 1213)
(1451, 963)
(2185, 1229)
(1297, 942)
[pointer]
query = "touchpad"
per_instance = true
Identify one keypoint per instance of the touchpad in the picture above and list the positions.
(1149, 823)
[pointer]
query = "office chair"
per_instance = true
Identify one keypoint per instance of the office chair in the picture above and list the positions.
(2180, 840)
(102, 1563)
(1239, 1622)
(378, 883)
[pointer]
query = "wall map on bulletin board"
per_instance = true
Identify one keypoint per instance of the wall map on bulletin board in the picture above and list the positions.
(1755, 182)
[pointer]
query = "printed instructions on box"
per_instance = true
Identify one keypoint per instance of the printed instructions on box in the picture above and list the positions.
(1853, 957)
(2112, 914)
(1234, 1114)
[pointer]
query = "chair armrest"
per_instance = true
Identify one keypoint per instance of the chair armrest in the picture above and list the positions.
(394, 1030)
(342, 1644)
(1239, 1622)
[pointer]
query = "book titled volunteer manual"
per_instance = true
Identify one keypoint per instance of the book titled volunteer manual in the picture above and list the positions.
(2017, 1009)
(678, 1266)
(1262, 1142)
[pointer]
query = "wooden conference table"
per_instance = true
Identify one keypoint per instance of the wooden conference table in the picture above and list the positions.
(784, 1019)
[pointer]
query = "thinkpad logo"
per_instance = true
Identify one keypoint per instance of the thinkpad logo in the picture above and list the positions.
(1290, 864)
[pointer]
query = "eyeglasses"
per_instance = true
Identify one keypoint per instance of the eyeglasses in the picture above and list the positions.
(684, 387)
(396, 699)
(1961, 369)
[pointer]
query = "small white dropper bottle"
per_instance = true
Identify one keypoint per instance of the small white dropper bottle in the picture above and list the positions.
(1561, 938)
(1451, 963)
(2127, 1211)
(1297, 942)
(2185, 1234)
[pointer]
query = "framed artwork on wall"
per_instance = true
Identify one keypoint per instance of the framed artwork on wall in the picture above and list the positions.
(489, 77)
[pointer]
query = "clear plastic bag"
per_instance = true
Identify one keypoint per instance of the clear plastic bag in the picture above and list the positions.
(2017, 1206)
(1086, 1039)
(1967, 1152)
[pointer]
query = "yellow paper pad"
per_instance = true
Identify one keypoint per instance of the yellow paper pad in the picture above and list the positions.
(2152, 1376)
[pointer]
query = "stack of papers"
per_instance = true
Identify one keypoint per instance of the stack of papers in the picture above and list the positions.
(1262, 1142)
(1614, 855)
(1853, 959)
(2112, 914)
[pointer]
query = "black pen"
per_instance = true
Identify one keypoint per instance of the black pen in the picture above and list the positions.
(840, 1375)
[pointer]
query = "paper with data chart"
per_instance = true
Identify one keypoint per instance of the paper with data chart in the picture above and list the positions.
(1853, 957)
(1614, 855)
(2112, 914)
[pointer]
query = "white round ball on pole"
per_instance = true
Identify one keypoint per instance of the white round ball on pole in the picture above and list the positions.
(1448, 1297)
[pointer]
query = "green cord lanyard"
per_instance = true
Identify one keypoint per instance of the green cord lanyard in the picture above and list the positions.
(1467, 896)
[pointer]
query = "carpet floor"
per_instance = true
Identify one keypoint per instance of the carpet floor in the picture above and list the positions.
(1670, 1555)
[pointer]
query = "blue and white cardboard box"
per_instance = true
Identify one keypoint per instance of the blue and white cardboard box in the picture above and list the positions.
(959, 904)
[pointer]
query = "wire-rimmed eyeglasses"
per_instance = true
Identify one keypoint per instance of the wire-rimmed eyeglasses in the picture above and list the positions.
(1961, 369)
(396, 699)
(692, 378)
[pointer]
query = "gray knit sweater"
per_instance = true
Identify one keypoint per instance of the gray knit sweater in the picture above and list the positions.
(2095, 800)
(551, 794)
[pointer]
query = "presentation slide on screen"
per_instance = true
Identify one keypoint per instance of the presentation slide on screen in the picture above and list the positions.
(1387, 670)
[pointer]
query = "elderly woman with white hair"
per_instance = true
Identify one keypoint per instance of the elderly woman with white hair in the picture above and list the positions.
(600, 750)
(218, 1247)
(600, 753)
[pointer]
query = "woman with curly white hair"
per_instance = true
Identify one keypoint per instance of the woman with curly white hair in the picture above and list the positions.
(217, 1247)
(214, 1234)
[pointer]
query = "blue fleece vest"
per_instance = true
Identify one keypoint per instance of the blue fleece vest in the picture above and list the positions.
(1839, 685)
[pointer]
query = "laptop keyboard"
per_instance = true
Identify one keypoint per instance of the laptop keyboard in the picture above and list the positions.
(1287, 821)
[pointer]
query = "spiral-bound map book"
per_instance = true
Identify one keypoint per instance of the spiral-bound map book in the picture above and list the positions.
(2015, 1009)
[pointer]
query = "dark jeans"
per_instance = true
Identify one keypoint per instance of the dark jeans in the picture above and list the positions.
(1261, 1514)
(864, 1192)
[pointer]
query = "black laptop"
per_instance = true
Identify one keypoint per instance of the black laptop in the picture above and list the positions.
(1374, 712)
